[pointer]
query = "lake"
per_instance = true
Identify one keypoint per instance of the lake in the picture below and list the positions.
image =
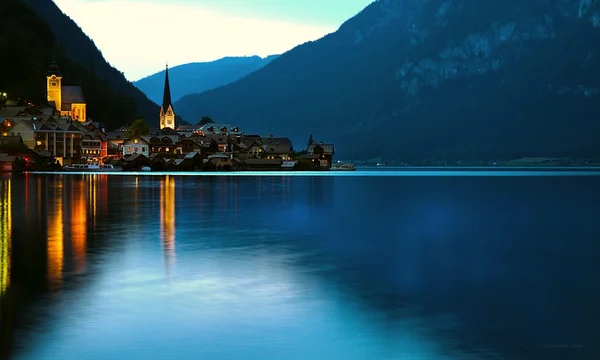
(365, 265)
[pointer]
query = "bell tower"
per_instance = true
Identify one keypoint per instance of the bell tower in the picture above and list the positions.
(54, 85)
(167, 114)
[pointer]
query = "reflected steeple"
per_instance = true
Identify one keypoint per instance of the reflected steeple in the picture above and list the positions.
(167, 218)
(5, 234)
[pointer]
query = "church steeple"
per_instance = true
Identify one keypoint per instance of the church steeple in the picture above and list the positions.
(167, 114)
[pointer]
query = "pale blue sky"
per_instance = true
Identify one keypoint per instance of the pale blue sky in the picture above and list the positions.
(132, 33)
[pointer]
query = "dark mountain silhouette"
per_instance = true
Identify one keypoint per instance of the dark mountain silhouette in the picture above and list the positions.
(79, 48)
(201, 76)
(413, 79)
(30, 44)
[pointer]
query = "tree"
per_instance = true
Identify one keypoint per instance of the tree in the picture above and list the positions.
(205, 120)
(138, 128)
(310, 140)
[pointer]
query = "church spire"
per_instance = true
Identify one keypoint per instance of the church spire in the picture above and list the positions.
(167, 115)
(167, 92)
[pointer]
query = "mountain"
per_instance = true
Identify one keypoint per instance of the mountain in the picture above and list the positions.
(80, 49)
(29, 45)
(414, 80)
(201, 76)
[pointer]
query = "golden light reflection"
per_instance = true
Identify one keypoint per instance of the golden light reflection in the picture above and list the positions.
(167, 217)
(5, 234)
(91, 193)
(56, 238)
(79, 222)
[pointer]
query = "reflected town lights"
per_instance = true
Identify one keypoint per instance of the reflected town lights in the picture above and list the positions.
(79, 223)
(55, 245)
(167, 217)
(5, 234)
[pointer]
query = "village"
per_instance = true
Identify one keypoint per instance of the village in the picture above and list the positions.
(59, 135)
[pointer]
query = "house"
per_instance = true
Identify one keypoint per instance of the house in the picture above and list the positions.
(189, 130)
(219, 162)
(323, 153)
(94, 145)
(278, 148)
(164, 144)
(247, 146)
(221, 140)
(220, 129)
(200, 144)
(134, 162)
(6, 162)
(61, 138)
(136, 145)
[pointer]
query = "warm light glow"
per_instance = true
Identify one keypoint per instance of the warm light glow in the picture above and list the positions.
(167, 217)
(79, 223)
(38, 143)
(5, 234)
(56, 238)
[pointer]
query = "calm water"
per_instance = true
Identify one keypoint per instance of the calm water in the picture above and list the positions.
(296, 267)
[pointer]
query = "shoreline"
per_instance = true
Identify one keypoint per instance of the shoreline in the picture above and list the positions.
(360, 172)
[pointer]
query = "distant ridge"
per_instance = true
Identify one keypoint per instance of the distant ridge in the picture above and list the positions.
(198, 77)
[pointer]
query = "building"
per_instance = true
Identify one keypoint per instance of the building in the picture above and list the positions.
(167, 114)
(58, 138)
(278, 148)
(219, 129)
(323, 153)
(136, 145)
(67, 100)
(94, 146)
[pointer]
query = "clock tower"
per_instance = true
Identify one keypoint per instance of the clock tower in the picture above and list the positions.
(167, 115)
(54, 85)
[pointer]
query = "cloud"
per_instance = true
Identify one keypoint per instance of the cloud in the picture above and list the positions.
(139, 37)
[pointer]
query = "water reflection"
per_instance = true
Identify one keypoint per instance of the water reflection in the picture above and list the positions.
(79, 218)
(55, 243)
(310, 270)
(167, 218)
(5, 233)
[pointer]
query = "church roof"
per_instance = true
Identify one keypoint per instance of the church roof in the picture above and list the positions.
(72, 94)
(53, 69)
(167, 92)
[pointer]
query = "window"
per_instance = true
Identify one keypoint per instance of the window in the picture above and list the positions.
(135, 141)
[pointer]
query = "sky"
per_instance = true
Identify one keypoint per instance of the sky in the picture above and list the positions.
(139, 37)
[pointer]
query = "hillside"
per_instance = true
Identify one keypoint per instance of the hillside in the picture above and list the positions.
(455, 79)
(30, 45)
(201, 76)
(79, 48)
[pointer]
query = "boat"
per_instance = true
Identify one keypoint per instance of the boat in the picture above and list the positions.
(289, 164)
(92, 168)
(343, 167)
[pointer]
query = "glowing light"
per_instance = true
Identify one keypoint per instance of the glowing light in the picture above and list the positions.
(79, 224)
(167, 217)
(55, 245)
(5, 234)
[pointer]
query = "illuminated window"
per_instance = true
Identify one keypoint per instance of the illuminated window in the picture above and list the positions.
(135, 141)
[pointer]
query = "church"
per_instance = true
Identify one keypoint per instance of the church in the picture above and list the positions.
(67, 100)
(167, 114)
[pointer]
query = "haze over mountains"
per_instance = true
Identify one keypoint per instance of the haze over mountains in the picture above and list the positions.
(412, 79)
(201, 76)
